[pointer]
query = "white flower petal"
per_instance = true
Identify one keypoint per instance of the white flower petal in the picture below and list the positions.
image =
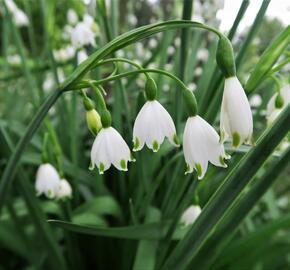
(47, 180)
(190, 215)
(110, 148)
(153, 123)
(200, 145)
(64, 190)
(236, 115)
(82, 35)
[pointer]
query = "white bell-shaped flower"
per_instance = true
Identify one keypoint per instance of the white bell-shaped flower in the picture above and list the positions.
(236, 119)
(72, 17)
(190, 215)
(153, 123)
(82, 35)
(19, 17)
(272, 111)
(47, 180)
(110, 148)
(201, 144)
(64, 190)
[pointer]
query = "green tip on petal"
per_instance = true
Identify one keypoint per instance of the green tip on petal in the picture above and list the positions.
(136, 144)
(92, 166)
(250, 141)
(132, 158)
(49, 194)
(123, 165)
(222, 162)
(236, 139)
(188, 169)
(198, 169)
(101, 168)
(175, 140)
(222, 136)
(155, 146)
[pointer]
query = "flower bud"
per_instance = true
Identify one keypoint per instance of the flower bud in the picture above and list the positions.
(88, 104)
(150, 89)
(225, 57)
(106, 118)
(93, 121)
(190, 102)
(279, 101)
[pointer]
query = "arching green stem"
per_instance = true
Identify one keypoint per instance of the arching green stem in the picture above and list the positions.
(99, 95)
(87, 83)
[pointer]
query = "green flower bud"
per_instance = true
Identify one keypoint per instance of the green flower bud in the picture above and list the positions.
(150, 89)
(190, 102)
(93, 121)
(106, 118)
(88, 104)
(279, 101)
(225, 57)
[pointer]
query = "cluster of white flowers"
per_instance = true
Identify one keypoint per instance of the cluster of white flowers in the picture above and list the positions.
(83, 32)
(201, 143)
(64, 54)
(49, 183)
(19, 17)
(205, 11)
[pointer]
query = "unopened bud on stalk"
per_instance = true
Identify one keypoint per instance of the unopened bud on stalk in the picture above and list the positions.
(93, 121)
(92, 116)
(225, 57)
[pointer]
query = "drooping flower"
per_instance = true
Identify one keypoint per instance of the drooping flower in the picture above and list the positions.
(110, 148)
(64, 54)
(64, 190)
(47, 180)
(19, 17)
(153, 123)
(83, 34)
(236, 117)
(72, 17)
(190, 215)
(272, 110)
(201, 144)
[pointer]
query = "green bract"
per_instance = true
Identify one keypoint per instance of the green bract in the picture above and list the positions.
(106, 118)
(225, 57)
(150, 89)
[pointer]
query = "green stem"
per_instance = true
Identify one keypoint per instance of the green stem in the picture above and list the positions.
(99, 95)
(279, 66)
(186, 15)
(256, 25)
(84, 84)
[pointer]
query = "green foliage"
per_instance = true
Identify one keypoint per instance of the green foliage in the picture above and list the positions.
(132, 220)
